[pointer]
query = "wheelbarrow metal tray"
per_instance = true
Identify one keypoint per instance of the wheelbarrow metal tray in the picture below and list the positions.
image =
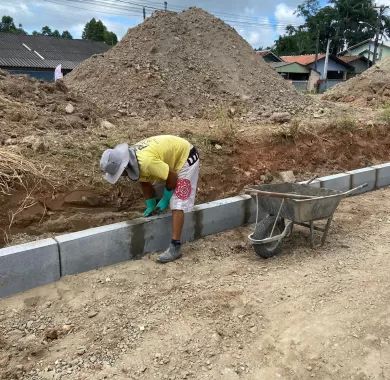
(299, 210)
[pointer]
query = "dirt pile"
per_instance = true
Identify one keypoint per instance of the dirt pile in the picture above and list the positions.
(184, 64)
(369, 88)
(31, 107)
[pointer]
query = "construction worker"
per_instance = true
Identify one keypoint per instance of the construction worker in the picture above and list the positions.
(168, 160)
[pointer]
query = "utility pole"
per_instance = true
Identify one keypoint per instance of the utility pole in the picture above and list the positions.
(325, 74)
(378, 31)
(165, 6)
(144, 12)
(317, 46)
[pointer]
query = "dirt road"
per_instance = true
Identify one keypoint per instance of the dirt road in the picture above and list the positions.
(219, 313)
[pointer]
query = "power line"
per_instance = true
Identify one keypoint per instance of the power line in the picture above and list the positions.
(58, 2)
(134, 9)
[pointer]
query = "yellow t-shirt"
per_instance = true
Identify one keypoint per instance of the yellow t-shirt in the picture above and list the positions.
(160, 154)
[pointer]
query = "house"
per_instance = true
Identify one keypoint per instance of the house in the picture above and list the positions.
(302, 77)
(38, 56)
(291, 70)
(337, 69)
(366, 49)
(358, 62)
(268, 56)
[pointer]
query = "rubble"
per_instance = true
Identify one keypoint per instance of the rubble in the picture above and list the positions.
(186, 64)
(372, 87)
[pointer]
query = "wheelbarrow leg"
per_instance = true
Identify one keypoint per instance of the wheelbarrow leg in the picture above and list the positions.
(311, 234)
(326, 230)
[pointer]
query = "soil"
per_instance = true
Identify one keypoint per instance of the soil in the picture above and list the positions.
(62, 134)
(218, 313)
(233, 154)
(372, 87)
(187, 64)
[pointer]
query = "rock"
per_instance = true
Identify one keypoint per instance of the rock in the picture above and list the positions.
(9, 142)
(280, 117)
(232, 111)
(287, 176)
(81, 351)
(51, 334)
(266, 178)
(39, 146)
(15, 117)
(69, 108)
(93, 314)
(217, 146)
(66, 328)
(29, 324)
(106, 124)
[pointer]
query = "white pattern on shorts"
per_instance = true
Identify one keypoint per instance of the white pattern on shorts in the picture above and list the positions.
(184, 196)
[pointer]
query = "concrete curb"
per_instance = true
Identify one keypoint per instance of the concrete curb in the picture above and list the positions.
(29, 265)
(33, 264)
(106, 245)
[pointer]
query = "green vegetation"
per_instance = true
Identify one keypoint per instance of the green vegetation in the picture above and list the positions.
(94, 30)
(46, 31)
(97, 31)
(7, 25)
(345, 22)
(385, 114)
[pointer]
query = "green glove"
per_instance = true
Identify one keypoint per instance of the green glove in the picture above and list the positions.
(150, 206)
(164, 201)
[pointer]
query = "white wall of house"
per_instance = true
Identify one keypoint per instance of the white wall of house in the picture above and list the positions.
(382, 52)
(332, 66)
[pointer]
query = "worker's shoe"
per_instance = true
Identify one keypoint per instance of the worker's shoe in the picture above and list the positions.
(171, 254)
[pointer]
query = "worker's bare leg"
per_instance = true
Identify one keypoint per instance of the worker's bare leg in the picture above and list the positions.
(177, 224)
(174, 250)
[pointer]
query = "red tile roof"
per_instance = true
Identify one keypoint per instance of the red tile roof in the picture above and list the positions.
(302, 59)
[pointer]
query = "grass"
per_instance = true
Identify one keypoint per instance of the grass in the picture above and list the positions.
(290, 133)
(17, 170)
(385, 114)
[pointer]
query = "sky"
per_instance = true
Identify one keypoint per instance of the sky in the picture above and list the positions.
(260, 22)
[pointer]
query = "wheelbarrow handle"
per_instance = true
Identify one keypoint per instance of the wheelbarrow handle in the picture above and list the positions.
(278, 195)
(356, 189)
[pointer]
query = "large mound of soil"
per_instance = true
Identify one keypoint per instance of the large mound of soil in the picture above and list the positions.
(30, 106)
(183, 64)
(369, 88)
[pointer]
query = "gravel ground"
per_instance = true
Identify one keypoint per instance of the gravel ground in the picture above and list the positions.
(219, 313)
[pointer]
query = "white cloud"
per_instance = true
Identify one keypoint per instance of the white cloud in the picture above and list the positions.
(263, 36)
(253, 16)
(35, 15)
(382, 2)
(284, 16)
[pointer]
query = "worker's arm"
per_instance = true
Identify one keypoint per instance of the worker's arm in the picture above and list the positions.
(149, 196)
(170, 185)
(171, 181)
(147, 190)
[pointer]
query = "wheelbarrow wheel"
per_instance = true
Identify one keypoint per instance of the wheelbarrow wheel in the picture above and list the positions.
(262, 231)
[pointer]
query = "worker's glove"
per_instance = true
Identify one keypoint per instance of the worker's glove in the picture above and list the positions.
(163, 204)
(150, 206)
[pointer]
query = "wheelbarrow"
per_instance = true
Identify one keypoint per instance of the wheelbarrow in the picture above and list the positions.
(287, 204)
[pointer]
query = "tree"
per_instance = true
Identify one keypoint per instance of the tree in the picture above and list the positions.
(46, 31)
(97, 31)
(7, 25)
(110, 38)
(65, 34)
(296, 41)
(56, 33)
(345, 22)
